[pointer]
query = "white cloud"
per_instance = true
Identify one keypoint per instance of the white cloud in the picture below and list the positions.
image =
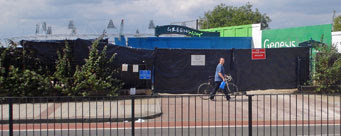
(18, 17)
(14, 15)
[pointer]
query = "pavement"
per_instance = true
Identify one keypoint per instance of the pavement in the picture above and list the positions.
(267, 109)
(115, 110)
(181, 111)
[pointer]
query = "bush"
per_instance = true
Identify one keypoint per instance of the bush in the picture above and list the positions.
(95, 77)
(20, 82)
(26, 83)
(328, 70)
(63, 73)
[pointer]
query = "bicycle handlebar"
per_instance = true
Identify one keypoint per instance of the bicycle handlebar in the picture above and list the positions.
(228, 78)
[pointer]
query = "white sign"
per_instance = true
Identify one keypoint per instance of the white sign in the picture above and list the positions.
(279, 44)
(177, 29)
(336, 40)
(135, 68)
(132, 91)
(198, 60)
(124, 67)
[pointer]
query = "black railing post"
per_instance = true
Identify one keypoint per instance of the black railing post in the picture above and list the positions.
(10, 119)
(250, 114)
(132, 115)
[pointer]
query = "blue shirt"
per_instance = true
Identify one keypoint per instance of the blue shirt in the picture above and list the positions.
(219, 69)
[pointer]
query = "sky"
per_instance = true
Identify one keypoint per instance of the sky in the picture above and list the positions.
(19, 17)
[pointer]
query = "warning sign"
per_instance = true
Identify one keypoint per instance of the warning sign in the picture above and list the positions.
(258, 54)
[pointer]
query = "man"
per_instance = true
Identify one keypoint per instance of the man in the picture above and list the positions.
(218, 78)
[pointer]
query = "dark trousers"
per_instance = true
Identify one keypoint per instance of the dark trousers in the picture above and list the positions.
(217, 84)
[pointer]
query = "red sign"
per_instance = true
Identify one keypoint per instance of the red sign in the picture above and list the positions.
(258, 54)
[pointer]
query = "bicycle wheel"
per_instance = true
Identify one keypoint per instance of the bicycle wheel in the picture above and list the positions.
(205, 89)
(232, 88)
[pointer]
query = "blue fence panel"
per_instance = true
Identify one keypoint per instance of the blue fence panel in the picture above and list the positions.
(191, 42)
(121, 41)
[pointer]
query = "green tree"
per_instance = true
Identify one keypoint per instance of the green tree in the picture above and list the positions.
(27, 83)
(96, 76)
(63, 73)
(223, 15)
(15, 81)
(328, 70)
(337, 24)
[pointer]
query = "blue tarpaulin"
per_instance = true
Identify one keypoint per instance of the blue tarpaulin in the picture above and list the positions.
(191, 42)
(121, 41)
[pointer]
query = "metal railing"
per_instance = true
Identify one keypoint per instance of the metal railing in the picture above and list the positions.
(262, 114)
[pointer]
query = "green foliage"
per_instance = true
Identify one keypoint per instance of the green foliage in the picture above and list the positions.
(26, 83)
(3, 74)
(223, 15)
(328, 70)
(95, 77)
(337, 24)
(63, 73)
(19, 82)
(22, 59)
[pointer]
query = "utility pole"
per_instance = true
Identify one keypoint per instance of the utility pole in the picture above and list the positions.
(333, 20)
(197, 23)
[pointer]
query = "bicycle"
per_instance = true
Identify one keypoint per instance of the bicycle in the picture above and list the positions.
(207, 88)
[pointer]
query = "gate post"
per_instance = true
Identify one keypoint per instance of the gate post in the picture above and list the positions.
(132, 115)
(250, 114)
(10, 119)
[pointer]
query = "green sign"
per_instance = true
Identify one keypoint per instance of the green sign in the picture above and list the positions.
(175, 29)
(291, 37)
(232, 31)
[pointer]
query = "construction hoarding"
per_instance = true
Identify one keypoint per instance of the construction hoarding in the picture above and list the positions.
(251, 30)
(291, 37)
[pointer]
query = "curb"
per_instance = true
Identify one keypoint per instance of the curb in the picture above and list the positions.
(84, 120)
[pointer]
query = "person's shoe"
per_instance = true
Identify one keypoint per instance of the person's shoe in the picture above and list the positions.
(228, 97)
(212, 98)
